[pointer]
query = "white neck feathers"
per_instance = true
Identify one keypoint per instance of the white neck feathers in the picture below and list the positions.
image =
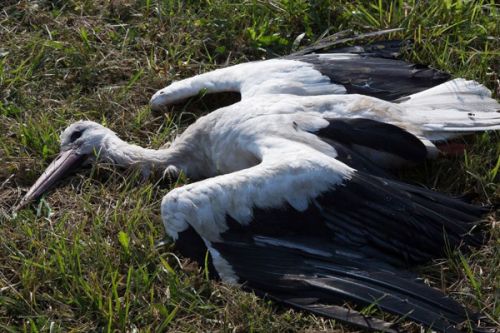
(190, 161)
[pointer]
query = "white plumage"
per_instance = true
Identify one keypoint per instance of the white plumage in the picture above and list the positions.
(293, 200)
(277, 76)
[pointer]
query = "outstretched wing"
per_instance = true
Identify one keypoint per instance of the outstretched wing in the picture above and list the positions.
(313, 233)
(370, 73)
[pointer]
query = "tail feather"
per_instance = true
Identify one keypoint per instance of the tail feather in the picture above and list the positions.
(452, 109)
(458, 93)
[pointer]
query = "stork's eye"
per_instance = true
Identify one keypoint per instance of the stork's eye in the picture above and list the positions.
(75, 135)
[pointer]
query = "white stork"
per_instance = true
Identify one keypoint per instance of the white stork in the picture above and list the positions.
(290, 204)
(368, 70)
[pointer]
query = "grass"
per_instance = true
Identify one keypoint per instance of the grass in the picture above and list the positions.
(85, 257)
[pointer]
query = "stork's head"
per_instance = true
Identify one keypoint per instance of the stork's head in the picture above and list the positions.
(85, 138)
(80, 142)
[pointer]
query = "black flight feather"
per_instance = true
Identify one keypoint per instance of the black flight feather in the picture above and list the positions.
(316, 283)
(375, 135)
(380, 77)
(399, 220)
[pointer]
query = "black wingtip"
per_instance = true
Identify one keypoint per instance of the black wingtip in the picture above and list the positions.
(342, 314)
(350, 317)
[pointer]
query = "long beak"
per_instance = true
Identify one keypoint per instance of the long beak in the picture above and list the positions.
(66, 161)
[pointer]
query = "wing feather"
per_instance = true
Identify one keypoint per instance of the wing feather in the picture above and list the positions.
(318, 283)
(386, 140)
(398, 218)
(380, 77)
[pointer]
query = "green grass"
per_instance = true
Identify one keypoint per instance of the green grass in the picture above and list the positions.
(85, 257)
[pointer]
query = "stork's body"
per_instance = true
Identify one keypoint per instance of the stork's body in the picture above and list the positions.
(295, 211)
(229, 137)
(293, 199)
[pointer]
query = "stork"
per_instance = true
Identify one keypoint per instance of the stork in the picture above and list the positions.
(369, 70)
(293, 201)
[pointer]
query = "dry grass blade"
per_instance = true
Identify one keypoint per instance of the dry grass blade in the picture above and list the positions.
(340, 38)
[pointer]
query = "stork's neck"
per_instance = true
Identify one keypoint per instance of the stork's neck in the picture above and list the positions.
(188, 159)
